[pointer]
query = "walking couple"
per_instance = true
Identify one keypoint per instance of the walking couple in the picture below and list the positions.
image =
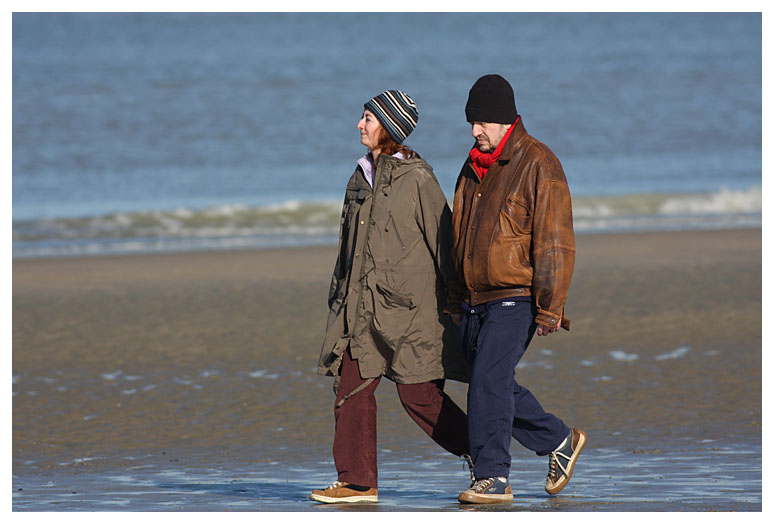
(420, 294)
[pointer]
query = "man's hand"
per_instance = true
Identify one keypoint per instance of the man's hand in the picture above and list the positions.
(546, 330)
(456, 318)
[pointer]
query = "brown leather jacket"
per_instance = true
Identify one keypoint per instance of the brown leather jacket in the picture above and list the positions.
(512, 232)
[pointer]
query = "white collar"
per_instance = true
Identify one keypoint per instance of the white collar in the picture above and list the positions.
(367, 164)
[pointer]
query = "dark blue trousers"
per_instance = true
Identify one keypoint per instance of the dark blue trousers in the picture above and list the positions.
(495, 335)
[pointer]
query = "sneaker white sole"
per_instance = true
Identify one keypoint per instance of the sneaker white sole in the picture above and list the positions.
(473, 497)
(346, 499)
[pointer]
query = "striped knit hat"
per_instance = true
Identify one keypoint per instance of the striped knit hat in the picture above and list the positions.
(396, 111)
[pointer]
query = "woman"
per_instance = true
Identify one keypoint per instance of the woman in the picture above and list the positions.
(386, 311)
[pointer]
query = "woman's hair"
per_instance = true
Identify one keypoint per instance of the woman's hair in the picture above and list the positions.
(387, 146)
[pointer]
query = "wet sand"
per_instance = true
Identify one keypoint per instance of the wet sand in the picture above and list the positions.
(187, 382)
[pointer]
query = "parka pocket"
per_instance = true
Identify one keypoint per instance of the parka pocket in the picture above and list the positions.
(353, 201)
(393, 239)
(353, 204)
(392, 225)
(393, 298)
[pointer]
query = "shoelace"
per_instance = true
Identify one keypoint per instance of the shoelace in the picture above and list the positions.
(482, 484)
(468, 462)
(554, 462)
(335, 485)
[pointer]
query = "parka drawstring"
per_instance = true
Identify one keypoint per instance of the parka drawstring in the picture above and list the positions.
(355, 391)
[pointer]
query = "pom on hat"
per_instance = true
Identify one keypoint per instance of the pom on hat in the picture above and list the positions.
(396, 111)
(491, 99)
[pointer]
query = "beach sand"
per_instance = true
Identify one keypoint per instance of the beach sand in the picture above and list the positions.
(187, 382)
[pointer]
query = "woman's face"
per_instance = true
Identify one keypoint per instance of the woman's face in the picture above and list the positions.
(369, 127)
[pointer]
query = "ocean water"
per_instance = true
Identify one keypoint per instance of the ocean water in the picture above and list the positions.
(708, 478)
(139, 132)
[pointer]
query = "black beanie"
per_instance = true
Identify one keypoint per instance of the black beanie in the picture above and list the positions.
(491, 99)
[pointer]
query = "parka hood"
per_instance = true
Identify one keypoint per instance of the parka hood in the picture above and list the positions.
(398, 167)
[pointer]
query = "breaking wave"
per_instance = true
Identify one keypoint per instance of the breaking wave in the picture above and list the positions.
(299, 223)
(724, 208)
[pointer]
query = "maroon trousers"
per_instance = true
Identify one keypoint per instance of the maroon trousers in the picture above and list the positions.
(355, 438)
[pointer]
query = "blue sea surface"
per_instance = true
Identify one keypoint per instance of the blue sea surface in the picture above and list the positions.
(711, 478)
(137, 132)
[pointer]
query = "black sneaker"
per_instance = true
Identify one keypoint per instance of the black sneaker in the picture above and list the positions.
(487, 490)
(562, 461)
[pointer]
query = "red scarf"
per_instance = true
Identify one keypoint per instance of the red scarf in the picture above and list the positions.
(483, 161)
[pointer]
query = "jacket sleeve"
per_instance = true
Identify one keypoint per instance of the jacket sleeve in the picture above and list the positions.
(554, 246)
(435, 220)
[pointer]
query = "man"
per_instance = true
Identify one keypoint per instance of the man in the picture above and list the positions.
(513, 247)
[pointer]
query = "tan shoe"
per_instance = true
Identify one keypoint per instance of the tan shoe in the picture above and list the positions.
(562, 461)
(487, 490)
(339, 492)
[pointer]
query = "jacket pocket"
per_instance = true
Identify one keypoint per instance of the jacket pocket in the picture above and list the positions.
(515, 217)
(352, 205)
(396, 241)
(393, 298)
(509, 260)
(353, 201)
(391, 224)
(510, 264)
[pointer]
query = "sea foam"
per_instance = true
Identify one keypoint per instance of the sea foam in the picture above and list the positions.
(310, 223)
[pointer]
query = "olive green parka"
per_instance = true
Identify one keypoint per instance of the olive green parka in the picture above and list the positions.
(388, 287)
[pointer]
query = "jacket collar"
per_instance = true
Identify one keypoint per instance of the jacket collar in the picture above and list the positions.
(509, 150)
(513, 144)
(369, 166)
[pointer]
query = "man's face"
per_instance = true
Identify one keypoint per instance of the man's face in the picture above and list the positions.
(488, 134)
